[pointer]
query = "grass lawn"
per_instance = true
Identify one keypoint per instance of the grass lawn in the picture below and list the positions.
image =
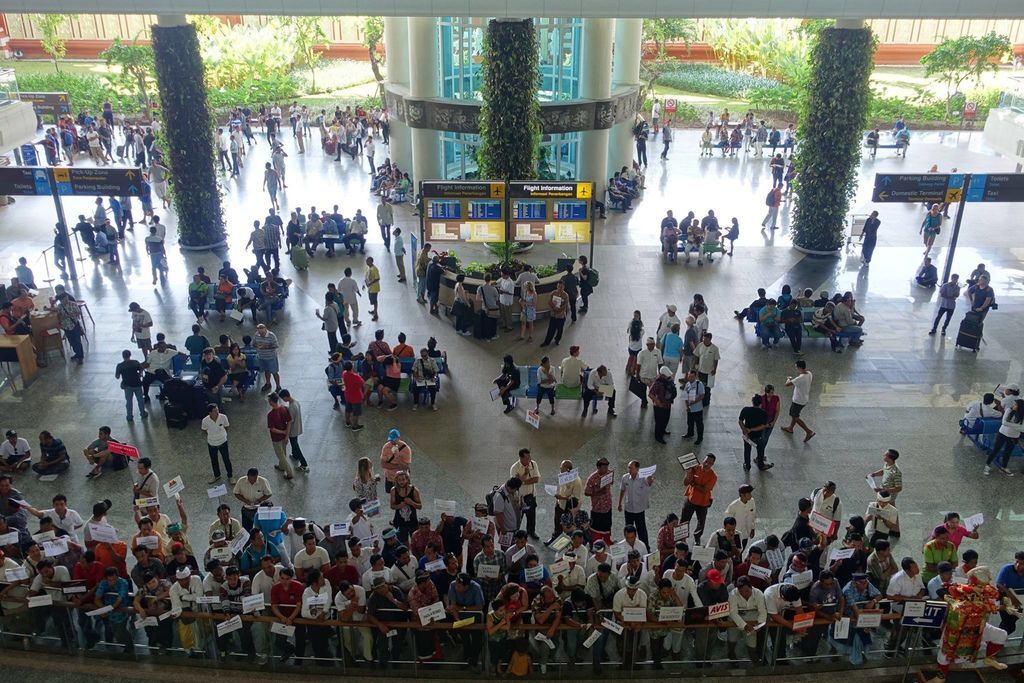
(39, 66)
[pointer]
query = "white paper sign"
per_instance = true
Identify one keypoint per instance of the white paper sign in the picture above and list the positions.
(869, 619)
(560, 567)
(229, 626)
(687, 461)
(217, 491)
(533, 573)
(318, 600)
(821, 523)
(434, 612)
(103, 533)
(681, 532)
(550, 489)
(147, 502)
(371, 508)
(592, 638)
(100, 611)
(648, 471)
(544, 639)
(560, 543)
(9, 538)
(44, 536)
(702, 555)
(151, 542)
(618, 551)
(841, 629)
(974, 521)
(252, 603)
(269, 512)
(635, 614)
(495, 393)
(282, 629)
(435, 566)
(611, 626)
(481, 524)
(56, 547)
(16, 574)
(448, 506)
(173, 486)
(671, 613)
(759, 572)
(48, 477)
(607, 479)
(489, 571)
(518, 555)
(568, 477)
(871, 483)
(72, 590)
(803, 579)
(914, 609)
(44, 600)
(223, 554)
(339, 529)
(840, 554)
(239, 541)
(207, 599)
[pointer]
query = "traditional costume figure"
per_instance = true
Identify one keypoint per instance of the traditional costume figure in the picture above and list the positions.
(967, 629)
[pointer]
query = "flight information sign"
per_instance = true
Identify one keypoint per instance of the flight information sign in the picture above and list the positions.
(468, 211)
(550, 211)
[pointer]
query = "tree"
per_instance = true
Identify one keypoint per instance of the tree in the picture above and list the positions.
(136, 69)
(955, 60)
(52, 42)
(373, 35)
(309, 35)
(654, 57)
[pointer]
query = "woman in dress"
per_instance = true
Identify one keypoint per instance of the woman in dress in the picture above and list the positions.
(528, 304)
(405, 501)
(635, 341)
(462, 307)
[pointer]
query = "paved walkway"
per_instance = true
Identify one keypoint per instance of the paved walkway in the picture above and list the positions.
(902, 389)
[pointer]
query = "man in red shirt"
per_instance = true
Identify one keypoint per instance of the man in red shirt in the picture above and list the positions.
(340, 571)
(354, 396)
(91, 571)
(286, 604)
(700, 483)
(279, 421)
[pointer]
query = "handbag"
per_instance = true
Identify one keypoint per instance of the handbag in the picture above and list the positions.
(637, 388)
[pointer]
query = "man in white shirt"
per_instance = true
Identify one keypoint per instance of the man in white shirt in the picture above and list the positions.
(708, 356)
(222, 150)
(574, 578)
(64, 517)
(599, 555)
(251, 490)
(506, 295)
(780, 598)
(266, 577)
(667, 320)
(310, 557)
(747, 609)
(801, 384)
(600, 384)
(683, 584)
(526, 469)
(216, 424)
(359, 525)
(15, 453)
(905, 585)
(571, 369)
(648, 362)
(351, 605)
(628, 596)
(744, 511)
(184, 591)
(349, 290)
(826, 503)
(986, 407)
(159, 365)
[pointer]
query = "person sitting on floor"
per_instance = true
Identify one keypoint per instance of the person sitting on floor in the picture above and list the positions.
(927, 275)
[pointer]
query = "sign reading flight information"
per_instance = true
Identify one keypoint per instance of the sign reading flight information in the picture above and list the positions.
(463, 211)
(550, 211)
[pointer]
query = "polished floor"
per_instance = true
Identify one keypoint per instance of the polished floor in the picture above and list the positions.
(902, 389)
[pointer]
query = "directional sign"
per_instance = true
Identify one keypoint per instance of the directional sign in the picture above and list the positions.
(925, 187)
(97, 181)
(924, 614)
(52, 105)
(993, 187)
(955, 188)
(24, 181)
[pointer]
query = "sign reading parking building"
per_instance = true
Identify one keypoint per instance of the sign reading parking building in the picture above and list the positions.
(104, 182)
(924, 187)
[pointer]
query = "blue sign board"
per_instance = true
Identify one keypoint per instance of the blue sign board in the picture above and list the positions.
(996, 187)
(24, 181)
(929, 614)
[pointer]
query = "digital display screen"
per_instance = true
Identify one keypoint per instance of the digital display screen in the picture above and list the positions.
(485, 209)
(529, 210)
(570, 211)
(444, 208)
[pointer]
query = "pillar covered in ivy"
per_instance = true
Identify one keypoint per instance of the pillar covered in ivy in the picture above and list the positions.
(188, 132)
(832, 121)
(510, 115)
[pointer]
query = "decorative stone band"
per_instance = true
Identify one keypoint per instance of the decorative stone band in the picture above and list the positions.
(457, 116)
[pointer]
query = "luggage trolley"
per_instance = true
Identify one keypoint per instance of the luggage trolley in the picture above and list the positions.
(857, 222)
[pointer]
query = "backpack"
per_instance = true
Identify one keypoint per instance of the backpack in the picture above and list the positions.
(489, 498)
(670, 392)
(593, 277)
(768, 199)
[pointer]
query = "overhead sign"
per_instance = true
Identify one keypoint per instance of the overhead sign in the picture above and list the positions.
(97, 181)
(924, 187)
(463, 211)
(992, 187)
(51, 105)
(24, 181)
(550, 211)
(928, 614)
(462, 190)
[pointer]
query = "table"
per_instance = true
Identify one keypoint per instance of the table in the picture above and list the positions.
(18, 349)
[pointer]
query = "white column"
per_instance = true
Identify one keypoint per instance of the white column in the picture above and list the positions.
(849, 23)
(595, 83)
(171, 20)
(625, 73)
(396, 46)
(424, 79)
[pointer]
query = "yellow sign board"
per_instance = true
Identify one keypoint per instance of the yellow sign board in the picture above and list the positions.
(497, 190)
(483, 232)
(584, 190)
(62, 175)
(954, 195)
(575, 232)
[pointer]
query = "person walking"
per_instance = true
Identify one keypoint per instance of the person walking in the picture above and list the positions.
(294, 428)
(216, 424)
(931, 226)
(693, 398)
(647, 365)
(666, 139)
(1007, 436)
(801, 384)
(350, 295)
(773, 201)
(266, 345)
(271, 181)
(330, 318)
(635, 498)
(753, 422)
(949, 292)
(130, 373)
(662, 393)
(700, 484)
(385, 219)
(525, 469)
(869, 237)
(556, 319)
(708, 357)
(399, 252)
(279, 424)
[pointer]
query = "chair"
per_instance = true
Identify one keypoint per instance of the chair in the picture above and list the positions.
(84, 306)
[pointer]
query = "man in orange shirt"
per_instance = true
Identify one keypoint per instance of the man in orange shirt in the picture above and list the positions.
(700, 482)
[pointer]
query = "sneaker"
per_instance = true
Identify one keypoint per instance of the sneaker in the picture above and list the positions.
(1006, 471)
(414, 407)
(988, 470)
(393, 406)
(357, 428)
(433, 407)
(214, 480)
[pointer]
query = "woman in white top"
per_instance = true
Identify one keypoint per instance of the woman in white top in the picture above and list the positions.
(365, 483)
(1007, 438)
(318, 592)
(546, 381)
(635, 341)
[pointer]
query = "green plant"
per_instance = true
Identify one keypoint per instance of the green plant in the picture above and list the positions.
(135, 69)
(234, 55)
(273, 88)
(775, 48)
(52, 41)
(373, 36)
(708, 79)
(955, 60)
(654, 58)
(308, 35)
(510, 115)
(835, 109)
(189, 130)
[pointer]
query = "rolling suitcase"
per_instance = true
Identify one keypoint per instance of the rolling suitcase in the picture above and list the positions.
(969, 334)
(177, 417)
(299, 257)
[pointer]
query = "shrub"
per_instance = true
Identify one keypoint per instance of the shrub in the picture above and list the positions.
(712, 80)
(277, 87)
(85, 91)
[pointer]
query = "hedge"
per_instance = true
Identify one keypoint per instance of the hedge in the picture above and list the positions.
(708, 79)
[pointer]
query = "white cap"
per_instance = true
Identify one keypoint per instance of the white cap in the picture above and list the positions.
(184, 573)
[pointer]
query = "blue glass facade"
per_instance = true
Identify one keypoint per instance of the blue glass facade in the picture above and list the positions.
(461, 46)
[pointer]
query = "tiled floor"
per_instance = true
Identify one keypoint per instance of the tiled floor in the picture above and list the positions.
(902, 389)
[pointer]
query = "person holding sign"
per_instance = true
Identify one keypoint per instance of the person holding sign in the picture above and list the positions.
(528, 473)
(635, 491)
(547, 611)
(600, 385)
(881, 518)
(599, 490)
(316, 601)
(568, 498)
(748, 611)
(424, 594)
(700, 484)
(628, 596)
(782, 600)
(858, 595)
(112, 592)
(151, 600)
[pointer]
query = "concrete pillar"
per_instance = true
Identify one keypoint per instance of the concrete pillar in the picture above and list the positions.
(170, 20)
(625, 73)
(849, 23)
(595, 83)
(424, 81)
(396, 47)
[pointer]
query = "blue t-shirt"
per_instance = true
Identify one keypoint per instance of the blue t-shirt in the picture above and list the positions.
(1010, 578)
(672, 346)
(474, 596)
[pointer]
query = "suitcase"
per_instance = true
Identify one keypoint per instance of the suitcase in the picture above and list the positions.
(198, 402)
(969, 335)
(120, 151)
(299, 257)
(177, 417)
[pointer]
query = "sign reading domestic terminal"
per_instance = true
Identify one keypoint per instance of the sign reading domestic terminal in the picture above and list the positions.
(923, 187)
(558, 212)
(463, 211)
